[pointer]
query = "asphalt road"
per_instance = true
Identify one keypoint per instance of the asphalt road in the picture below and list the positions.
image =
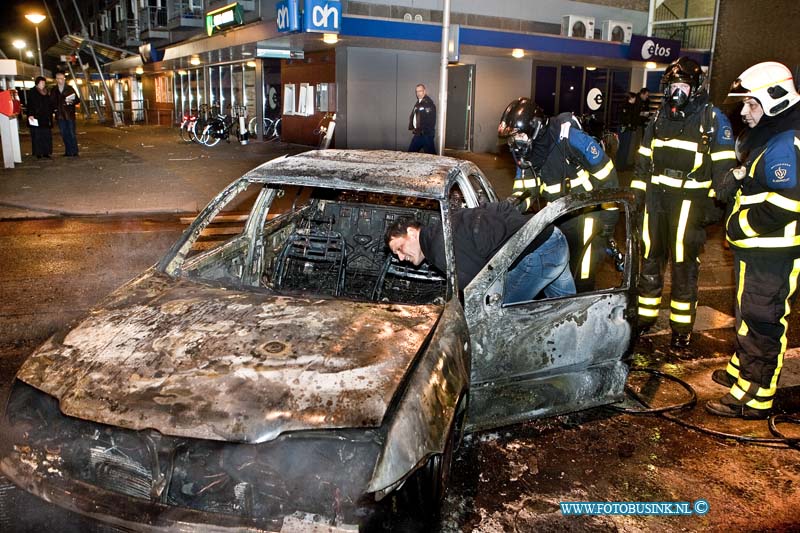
(53, 270)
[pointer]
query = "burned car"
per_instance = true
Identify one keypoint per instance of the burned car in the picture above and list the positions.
(294, 372)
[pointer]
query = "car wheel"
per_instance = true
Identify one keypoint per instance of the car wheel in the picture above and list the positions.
(431, 481)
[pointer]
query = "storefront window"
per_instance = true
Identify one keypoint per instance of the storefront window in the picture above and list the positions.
(250, 88)
(545, 95)
(237, 87)
(570, 91)
(213, 87)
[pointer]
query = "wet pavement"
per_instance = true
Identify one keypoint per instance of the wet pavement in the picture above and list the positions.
(511, 479)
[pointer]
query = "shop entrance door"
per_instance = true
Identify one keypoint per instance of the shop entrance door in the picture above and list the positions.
(460, 105)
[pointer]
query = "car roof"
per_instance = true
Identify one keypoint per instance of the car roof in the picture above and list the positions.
(383, 171)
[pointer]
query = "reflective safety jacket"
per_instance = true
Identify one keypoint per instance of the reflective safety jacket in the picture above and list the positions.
(766, 211)
(567, 159)
(683, 155)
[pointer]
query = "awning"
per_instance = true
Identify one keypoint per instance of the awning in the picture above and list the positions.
(71, 43)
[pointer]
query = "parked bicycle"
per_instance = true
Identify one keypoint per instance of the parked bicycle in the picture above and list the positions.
(271, 128)
(222, 127)
(187, 127)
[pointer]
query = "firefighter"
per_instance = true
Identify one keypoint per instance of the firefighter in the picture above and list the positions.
(687, 144)
(763, 230)
(556, 157)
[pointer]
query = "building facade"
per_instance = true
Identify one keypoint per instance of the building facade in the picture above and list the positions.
(248, 64)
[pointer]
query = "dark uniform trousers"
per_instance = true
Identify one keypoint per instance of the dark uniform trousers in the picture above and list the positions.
(767, 288)
(672, 227)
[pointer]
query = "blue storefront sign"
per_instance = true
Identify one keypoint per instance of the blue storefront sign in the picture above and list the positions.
(644, 48)
(323, 16)
(288, 16)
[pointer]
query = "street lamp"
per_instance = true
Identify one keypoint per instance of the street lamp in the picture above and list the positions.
(36, 18)
(19, 44)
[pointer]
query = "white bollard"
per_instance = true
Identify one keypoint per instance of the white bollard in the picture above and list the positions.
(9, 133)
(243, 131)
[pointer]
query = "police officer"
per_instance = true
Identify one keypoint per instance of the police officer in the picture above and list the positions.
(764, 232)
(689, 143)
(422, 122)
(556, 158)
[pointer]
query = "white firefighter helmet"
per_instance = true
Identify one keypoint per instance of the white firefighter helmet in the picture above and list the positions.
(771, 83)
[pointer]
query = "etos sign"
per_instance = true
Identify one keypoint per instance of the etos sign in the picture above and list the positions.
(645, 48)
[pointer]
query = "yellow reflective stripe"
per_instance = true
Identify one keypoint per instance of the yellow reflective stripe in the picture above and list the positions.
(698, 161)
(646, 232)
(743, 329)
(676, 143)
(755, 163)
(605, 171)
(645, 300)
(783, 202)
(552, 189)
(735, 360)
(745, 225)
(582, 181)
(712, 193)
(773, 198)
(645, 151)
(678, 183)
(755, 404)
(724, 154)
(644, 311)
(683, 319)
(793, 276)
(736, 391)
(638, 184)
(681, 231)
(586, 260)
(768, 242)
(680, 306)
(733, 371)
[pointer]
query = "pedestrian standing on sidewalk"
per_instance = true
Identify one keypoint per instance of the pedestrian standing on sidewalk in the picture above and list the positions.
(40, 116)
(64, 101)
(422, 122)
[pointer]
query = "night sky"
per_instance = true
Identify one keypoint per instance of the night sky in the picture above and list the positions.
(16, 26)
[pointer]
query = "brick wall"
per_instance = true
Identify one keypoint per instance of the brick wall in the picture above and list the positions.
(750, 32)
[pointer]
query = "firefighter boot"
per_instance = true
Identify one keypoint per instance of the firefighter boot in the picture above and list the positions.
(722, 377)
(680, 341)
(730, 407)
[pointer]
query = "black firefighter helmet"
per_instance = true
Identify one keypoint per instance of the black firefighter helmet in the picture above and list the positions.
(522, 116)
(682, 70)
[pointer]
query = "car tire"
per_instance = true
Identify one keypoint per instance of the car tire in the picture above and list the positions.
(429, 483)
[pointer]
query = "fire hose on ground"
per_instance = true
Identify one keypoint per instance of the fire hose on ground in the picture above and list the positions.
(667, 413)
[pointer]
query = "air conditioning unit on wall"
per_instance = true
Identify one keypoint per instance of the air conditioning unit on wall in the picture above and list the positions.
(577, 26)
(617, 30)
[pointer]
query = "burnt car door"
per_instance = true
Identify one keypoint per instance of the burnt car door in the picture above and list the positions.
(549, 356)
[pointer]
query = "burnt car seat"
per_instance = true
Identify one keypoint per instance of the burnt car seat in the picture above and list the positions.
(313, 258)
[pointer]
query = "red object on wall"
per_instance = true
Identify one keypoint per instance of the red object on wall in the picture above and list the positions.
(9, 103)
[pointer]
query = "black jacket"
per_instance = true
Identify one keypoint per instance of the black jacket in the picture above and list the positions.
(40, 107)
(425, 111)
(65, 110)
(478, 234)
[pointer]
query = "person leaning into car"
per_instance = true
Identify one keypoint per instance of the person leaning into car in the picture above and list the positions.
(478, 234)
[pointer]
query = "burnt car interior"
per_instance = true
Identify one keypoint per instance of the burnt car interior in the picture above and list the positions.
(331, 243)
(336, 247)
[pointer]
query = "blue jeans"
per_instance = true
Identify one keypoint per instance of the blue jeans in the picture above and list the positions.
(422, 142)
(545, 268)
(69, 136)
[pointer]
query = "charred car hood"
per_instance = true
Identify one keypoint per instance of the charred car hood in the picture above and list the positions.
(207, 362)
